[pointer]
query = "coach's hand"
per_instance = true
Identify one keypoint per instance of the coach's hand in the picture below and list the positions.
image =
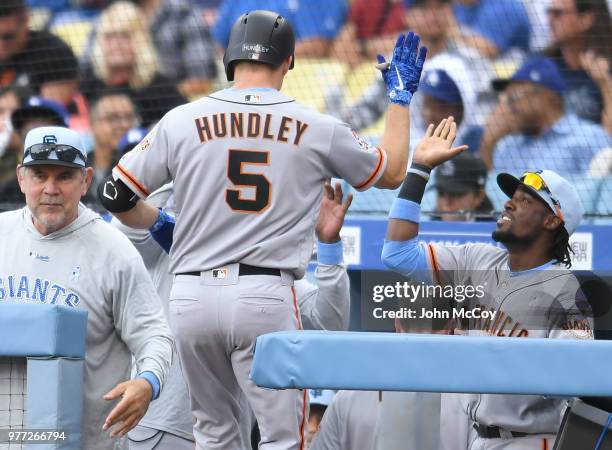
(437, 145)
(331, 214)
(403, 73)
(136, 395)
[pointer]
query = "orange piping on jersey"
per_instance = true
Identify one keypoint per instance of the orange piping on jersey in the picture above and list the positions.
(381, 159)
(303, 423)
(296, 308)
(434, 263)
(544, 444)
(132, 179)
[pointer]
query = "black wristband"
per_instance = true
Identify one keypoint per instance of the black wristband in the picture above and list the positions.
(415, 183)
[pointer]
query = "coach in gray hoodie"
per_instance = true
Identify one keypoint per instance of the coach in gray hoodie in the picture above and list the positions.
(56, 251)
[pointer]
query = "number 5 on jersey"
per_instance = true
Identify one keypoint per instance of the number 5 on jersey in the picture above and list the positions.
(242, 179)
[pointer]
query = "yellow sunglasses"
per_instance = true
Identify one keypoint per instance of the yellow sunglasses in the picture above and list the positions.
(535, 181)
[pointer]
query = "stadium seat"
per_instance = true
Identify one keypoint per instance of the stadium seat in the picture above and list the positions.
(74, 33)
(310, 78)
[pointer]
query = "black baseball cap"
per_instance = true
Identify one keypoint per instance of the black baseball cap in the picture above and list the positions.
(464, 173)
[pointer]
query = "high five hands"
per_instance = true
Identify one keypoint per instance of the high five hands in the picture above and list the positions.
(437, 145)
(403, 73)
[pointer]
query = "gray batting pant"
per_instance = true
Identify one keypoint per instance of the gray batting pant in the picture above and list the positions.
(215, 318)
(161, 440)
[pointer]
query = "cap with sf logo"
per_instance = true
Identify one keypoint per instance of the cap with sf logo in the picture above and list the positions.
(55, 146)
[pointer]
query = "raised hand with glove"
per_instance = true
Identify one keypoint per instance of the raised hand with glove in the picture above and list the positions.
(403, 73)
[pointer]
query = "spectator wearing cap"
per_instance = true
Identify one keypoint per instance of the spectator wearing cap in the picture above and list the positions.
(316, 23)
(112, 115)
(581, 48)
(491, 27)
(37, 59)
(471, 73)
(123, 58)
(460, 187)
(371, 28)
(130, 140)
(441, 98)
(10, 149)
(530, 127)
(34, 112)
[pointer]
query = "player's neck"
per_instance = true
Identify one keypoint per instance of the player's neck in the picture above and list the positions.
(246, 78)
(525, 258)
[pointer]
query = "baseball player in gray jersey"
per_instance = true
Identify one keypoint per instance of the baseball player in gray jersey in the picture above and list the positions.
(248, 164)
(56, 251)
(168, 423)
(526, 286)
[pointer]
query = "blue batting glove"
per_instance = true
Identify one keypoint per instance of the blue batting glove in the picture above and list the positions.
(403, 73)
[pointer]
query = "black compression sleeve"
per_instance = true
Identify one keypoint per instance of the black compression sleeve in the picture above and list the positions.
(415, 182)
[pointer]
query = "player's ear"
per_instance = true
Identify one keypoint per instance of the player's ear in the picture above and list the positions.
(88, 177)
(552, 222)
(21, 177)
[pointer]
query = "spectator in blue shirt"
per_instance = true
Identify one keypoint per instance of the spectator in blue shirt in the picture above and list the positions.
(316, 23)
(582, 49)
(492, 27)
(529, 127)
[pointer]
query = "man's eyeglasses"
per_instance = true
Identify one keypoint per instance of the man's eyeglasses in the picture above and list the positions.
(535, 181)
(557, 12)
(65, 153)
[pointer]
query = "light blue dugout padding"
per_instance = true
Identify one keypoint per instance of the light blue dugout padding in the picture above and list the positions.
(52, 339)
(55, 400)
(42, 330)
(432, 363)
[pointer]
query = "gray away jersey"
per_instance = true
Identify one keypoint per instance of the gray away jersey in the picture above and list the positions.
(248, 168)
(92, 266)
(545, 303)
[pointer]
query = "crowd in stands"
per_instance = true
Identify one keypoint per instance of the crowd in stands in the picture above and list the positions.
(529, 82)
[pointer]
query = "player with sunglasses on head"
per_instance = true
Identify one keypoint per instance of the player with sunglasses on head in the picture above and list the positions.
(526, 284)
(57, 251)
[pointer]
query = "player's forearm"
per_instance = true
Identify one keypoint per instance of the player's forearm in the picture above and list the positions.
(332, 302)
(141, 216)
(406, 208)
(395, 141)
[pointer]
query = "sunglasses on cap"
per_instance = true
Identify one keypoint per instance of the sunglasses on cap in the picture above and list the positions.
(535, 181)
(66, 153)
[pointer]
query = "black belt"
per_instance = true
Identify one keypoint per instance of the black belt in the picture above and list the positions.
(245, 269)
(493, 432)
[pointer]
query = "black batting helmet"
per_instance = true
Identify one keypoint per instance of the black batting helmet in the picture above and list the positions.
(259, 36)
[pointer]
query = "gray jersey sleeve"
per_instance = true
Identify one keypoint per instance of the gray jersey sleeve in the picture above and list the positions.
(139, 319)
(353, 158)
(325, 306)
(145, 168)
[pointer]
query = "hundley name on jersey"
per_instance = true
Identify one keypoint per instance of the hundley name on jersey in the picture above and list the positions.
(250, 125)
(22, 287)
